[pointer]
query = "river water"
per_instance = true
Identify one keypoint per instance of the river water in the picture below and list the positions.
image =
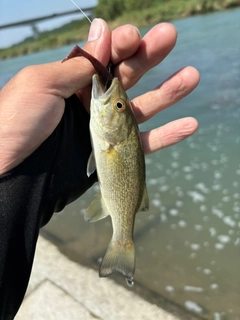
(188, 244)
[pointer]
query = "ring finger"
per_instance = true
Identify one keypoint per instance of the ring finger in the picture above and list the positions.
(166, 94)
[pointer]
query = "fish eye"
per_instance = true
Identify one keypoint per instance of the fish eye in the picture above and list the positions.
(120, 105)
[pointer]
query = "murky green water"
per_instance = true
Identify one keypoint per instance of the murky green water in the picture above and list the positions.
(188, 244)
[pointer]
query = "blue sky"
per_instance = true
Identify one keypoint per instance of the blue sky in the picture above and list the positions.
(13, 11)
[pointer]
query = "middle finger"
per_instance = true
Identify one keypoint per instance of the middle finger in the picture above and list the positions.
(153, 48)
(166, 94)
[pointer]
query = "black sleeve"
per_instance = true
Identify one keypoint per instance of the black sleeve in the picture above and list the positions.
(53, 176)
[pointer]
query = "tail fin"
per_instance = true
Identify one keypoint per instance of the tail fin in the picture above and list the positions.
(119, 258)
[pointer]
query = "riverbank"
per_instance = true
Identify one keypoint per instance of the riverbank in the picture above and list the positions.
(77, 30)
(70, 291)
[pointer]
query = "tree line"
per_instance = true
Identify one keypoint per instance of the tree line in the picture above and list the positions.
(111, 9)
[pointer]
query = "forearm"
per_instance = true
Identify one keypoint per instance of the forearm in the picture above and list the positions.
(53, 176)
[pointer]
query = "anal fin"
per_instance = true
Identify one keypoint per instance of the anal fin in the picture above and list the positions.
(145, 201)
(96, 211)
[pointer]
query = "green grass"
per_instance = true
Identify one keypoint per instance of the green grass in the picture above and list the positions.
(69, 33)
(78, 30)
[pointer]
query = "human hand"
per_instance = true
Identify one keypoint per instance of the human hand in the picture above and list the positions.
(32, 103)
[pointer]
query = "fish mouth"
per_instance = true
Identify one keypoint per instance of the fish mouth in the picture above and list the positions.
(98, 89)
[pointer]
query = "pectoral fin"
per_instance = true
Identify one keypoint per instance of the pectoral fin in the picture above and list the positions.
(145, 202)
(96, 211)
(91, 165)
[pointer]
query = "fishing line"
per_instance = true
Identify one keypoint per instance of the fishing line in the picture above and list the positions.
(82, 11)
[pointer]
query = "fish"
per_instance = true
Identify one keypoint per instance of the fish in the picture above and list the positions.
(118, 158)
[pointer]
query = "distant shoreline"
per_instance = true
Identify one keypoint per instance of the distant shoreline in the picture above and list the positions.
(76, 31)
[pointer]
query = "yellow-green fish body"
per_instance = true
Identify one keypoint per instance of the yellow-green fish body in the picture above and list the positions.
(119, 159)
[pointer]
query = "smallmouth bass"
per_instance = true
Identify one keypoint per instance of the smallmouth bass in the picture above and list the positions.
(119, 160)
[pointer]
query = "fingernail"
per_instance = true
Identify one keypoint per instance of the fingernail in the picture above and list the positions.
(96, 30)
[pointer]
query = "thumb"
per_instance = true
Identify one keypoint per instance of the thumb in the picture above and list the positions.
(76, 73)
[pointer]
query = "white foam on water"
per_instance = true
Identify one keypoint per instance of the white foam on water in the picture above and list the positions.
(225, 191)
(198, 227)
(179, 203)
(174, 212)
(148, 160)
(164, 188)
(163, 209)
(229, 221)
(214, 162)
(159, 166)
(182, 223)
(214, 286)
(236, 208)
(195, 246)
(193, 306)
(189, 177)
(169, 289)
(224, 238)
(175, 154)
(207, 271)
(235, 184)
(213, 232)
(187, 169)
(193, 145)
(201, 186)
(193, 255)
(212, 147)
(83, 211)
(217, 212)
(237, 242)
(168, 171)
(151, 217)
(226, 199)
(219, 246)
(196, 196)
(156, 203)
(217, 316)
(152, 182)
(163, 217)
(193, 289)
(180, 194)
(175, 164)
(203, 208)
(216, 187)
(224, 159)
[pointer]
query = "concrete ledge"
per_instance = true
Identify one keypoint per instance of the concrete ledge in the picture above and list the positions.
(60, 289)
